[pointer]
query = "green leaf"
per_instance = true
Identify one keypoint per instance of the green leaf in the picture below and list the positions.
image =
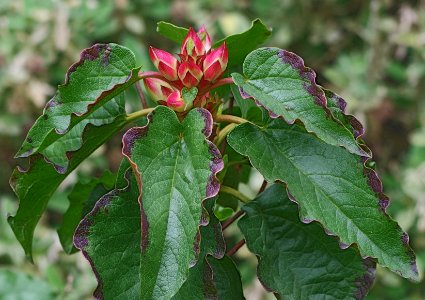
(256, 35)
(330, 185)
(82, 199)
(279, 81)
(35, 186)
(109, 236)
(176, 165)
(200, 281)
(241, 44)
(227, 278)
(188, 96)
(85, 112)
(299, 261)
(172, 32)
(18, 285)
(244, 104)
(337, 106)
(103, 72)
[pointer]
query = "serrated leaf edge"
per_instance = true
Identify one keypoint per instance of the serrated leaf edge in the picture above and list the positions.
(212, 188)
(313, 89)
(90, 53)
(80, 235)
(376, 185)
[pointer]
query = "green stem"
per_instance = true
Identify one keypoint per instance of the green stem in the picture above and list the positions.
(138, 114)
(237, 162)
(223, 133)
(234, 192)
(230, 119)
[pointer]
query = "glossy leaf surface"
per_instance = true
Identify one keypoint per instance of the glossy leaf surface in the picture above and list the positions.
(85, 112)
(103, 72)
(279, 81)
(176, 166)
(330, 185)
(299, 261)
(200, 281)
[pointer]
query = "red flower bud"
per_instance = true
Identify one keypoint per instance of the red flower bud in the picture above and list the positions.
(158, 88)
(215, 63)
(205, 38)
(165, 62)
(192, 44)
(189, 73)
(175, 101)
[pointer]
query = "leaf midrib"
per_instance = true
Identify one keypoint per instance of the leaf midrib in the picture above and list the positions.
(328, 197)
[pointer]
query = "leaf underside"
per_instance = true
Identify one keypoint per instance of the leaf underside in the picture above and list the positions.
(331, 186)
(299, 261)
(278, 81)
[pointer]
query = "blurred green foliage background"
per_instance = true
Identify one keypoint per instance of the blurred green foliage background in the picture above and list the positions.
(370, 52)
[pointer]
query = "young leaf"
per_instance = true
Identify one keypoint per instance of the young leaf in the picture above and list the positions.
(278, 80)
(299, 261)
(35, 186)
(109, 237)
(256, 35)
(172, 32)
(82, 199)
(103, 72)
(176, 165)
(330, 185)
(188, 96)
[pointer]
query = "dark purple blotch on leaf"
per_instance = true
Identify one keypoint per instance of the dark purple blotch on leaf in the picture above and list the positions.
(365, 282)
(306, 73)
(90, 53)
(83, 230)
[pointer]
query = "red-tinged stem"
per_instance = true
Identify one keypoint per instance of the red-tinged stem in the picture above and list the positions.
(151, 74)
(235, 248)
(263, 187)
(223, 81)
(232, 219)
(240, 213)
(141, 95)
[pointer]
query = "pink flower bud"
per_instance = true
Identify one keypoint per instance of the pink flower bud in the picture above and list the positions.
(192, 44)
(190, 74)
(175, 101)
(205, 38)
(165, 62)
(215, 63)
(158, 88)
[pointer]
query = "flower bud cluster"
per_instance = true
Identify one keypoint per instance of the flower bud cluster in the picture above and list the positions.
(197, 65)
